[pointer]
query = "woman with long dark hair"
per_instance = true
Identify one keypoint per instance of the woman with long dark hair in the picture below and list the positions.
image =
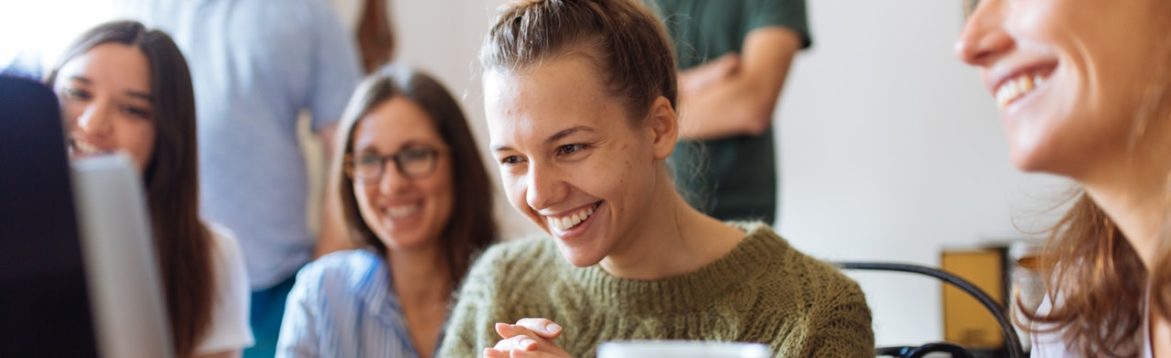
(1085, 91)
(416, 197)
(124, 88)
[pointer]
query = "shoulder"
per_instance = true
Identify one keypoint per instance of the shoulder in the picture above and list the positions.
(796, 275)
(226, 255)
(345, 268)
(228, 329)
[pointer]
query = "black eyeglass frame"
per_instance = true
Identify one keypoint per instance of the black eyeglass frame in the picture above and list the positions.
(400, 158)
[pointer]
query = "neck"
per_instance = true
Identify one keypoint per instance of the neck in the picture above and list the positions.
(673, 239)
(1134, 192)
(420, 274)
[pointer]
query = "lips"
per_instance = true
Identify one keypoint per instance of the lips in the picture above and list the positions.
(84, 147)
(572, 219)
(1019, 83)
(402, 211)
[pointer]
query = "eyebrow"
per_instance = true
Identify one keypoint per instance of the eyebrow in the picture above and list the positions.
(137, 94)
(553, 138)
(142, 95)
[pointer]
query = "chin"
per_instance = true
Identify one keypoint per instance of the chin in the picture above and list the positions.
(578, 257)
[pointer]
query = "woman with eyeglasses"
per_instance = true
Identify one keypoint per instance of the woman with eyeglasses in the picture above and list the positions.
(1085, 91)
(415, 195)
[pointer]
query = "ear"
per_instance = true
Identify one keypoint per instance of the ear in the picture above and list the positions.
(664, 127)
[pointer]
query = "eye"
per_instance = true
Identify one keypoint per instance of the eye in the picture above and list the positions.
(75, 94)
(510, 160)
(570, 149)
(367, 160)
(134, 111)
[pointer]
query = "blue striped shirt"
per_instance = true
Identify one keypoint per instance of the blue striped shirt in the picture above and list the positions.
(344, 305)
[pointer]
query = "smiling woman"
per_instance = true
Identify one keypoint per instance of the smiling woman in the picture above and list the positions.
(580, 103)
(1085, 91)
(415, 195)
(124, 88)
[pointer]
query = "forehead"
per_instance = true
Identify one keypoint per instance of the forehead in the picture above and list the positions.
(537, 101)
(110, 65)
(394, 122)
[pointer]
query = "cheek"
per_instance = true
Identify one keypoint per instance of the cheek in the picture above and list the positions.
(137, 138)
(365, 199)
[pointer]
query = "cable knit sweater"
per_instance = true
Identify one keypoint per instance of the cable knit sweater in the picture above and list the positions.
(762, 291)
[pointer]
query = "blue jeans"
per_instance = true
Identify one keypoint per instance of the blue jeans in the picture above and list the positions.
(268, 309)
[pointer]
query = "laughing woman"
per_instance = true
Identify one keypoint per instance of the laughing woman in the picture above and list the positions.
(580, 104)
(124, 88)
(415, 194)
(1085, 88)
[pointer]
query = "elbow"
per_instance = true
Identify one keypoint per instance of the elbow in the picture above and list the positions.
(758, 120)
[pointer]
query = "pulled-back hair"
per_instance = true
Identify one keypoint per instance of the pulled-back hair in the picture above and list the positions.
(623, 38)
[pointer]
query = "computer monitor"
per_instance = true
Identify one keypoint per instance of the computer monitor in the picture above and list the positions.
(78, 276)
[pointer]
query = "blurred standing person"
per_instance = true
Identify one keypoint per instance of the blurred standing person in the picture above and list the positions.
(255, 66)
(734, 56)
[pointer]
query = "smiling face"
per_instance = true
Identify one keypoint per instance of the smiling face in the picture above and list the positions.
(570, 156)
(404, 212)
(1068, 75)
(105, 99)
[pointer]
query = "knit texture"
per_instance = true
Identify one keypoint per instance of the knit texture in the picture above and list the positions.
(762, 291)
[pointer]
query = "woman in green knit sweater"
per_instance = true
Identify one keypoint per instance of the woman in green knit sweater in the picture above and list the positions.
(580, 105)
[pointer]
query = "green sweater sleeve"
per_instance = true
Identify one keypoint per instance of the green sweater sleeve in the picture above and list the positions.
(470, 328)
(844, 328)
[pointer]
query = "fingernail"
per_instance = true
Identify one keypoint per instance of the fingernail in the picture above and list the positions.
(527, 344)
(553, 328)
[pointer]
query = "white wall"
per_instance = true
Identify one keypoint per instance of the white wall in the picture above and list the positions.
(890, 149)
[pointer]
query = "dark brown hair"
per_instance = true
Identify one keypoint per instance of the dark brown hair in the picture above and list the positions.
(182, 242)
(1093, 275)
(471, 226)
(623, 38)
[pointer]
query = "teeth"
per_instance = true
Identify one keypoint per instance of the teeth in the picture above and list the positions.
(84, 147)
(402, 211)
(570, 221)
(1016, 88)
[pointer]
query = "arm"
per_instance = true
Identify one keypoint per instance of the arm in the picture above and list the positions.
(742, 102)
(844, 329)
(471, 327)
(299, 323)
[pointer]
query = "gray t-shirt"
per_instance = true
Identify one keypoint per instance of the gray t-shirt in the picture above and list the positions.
(255, 65)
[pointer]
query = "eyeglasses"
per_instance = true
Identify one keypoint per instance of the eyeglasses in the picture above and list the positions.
(412, 162)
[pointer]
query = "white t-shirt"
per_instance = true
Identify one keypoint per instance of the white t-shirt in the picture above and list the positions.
(229, 329)
(1051, 344)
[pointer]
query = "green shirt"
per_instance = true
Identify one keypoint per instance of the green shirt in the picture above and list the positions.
(732, 178)
(762, 291)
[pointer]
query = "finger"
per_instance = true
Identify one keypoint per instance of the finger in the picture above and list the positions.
(506, 331)
(542, 327)
(517, 343)
(493, 353)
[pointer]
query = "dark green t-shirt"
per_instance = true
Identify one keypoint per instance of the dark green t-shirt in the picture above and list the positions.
(732, 178)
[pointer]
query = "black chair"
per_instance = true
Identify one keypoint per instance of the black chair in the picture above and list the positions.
(1013, 342)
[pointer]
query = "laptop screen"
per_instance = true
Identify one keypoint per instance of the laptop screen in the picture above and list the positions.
(44, 305)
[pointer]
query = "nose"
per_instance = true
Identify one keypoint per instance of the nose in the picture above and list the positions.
(392, 180)
(95, 120)
(984, 38)
(545, 187)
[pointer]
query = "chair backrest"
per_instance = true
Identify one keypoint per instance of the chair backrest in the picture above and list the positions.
(1012, 340)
